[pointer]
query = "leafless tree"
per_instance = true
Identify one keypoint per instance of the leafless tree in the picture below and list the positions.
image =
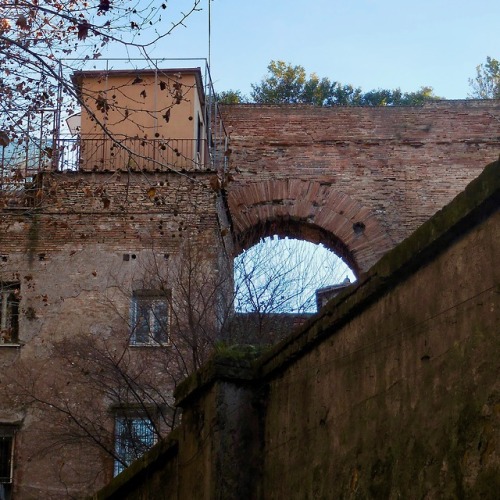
(37, 38)
(276, 283)
(103, 386)
(97, 388)
(42, 44)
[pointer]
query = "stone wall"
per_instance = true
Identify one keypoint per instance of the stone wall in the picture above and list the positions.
(402, 400)
(391, 391)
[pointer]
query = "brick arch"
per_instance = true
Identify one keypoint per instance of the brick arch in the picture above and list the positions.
(308, 210)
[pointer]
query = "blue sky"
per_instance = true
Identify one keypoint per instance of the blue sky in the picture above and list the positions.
(369, 43)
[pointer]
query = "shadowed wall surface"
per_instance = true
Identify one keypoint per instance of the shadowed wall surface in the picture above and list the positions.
(391, 391)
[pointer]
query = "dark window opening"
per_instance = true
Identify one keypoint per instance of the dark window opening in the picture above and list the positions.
(6, 459)
(9, 313)
(7, 433)
(199, 131)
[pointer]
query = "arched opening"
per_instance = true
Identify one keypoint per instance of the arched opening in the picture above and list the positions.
(297, 230)
(279, 283)
(283, 275)
(310, 210)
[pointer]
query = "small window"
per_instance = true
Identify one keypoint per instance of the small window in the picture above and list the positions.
(199, 131)
(7, 433)
(9, 313)
(149, 318)
(134, 436)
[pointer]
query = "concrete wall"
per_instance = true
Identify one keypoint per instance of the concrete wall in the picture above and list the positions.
(328, 170)
(391, 391)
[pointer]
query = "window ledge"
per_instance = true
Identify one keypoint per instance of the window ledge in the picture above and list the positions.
(153, 344)
(10, 344)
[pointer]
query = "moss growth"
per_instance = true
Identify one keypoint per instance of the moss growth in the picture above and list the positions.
(381, 477)
(244, 352)
(229, 362)
(487, 485)
(445, 225)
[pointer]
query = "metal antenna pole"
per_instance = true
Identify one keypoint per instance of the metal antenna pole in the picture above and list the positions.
(209, 31)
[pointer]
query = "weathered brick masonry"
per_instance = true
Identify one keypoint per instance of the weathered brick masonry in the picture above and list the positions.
(386, 169)
(77, 257)
(312, 172)
(357, 179)
(126, 210)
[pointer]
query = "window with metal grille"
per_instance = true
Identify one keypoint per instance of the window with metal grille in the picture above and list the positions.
(149, 318)
(9, 312)
(6, 459)
(7, 432)
(134, 435)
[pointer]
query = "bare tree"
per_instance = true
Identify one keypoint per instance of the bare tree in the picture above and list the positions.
(111, 394)
(110, 391)
(276, 283)
(38, 37)
(42, 44)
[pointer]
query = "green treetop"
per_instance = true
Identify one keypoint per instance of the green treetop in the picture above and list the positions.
(486, 84)
(287, 84)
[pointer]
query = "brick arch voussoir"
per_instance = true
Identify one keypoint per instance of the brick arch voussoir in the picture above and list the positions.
(312, 211)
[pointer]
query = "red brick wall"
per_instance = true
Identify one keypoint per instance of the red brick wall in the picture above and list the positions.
(125, 211)
(398, 165)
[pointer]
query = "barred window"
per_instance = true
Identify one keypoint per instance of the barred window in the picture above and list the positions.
(149, 318)
(9, 312)
(134, 435)
(7, 433)
(6, 447)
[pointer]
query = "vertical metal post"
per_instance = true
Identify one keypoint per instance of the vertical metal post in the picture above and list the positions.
(209, 32)
(156, 95)
(27, 146)
(40, 143)
(56, 122)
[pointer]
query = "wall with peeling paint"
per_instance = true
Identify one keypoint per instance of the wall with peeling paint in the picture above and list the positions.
(93, 239)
